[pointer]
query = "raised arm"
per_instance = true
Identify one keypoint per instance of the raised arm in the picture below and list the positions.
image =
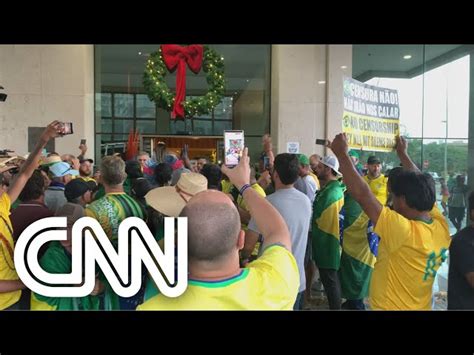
(402, 151)
(269, 221)
(31, 163)
(356, 186)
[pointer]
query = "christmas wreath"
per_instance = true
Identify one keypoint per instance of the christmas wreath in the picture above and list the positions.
(171, 57)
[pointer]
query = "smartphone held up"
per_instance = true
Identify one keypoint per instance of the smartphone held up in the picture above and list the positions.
(233, 147)
(65, 128)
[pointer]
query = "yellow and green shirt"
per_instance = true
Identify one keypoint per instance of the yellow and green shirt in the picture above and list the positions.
(112, 209)
(410, 253)
(378, 186)
(326, 228)
(7, 266)
(269, 283)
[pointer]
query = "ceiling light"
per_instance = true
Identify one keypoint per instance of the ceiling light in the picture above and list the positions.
(344, 67)
(321, 82)
(408, 56)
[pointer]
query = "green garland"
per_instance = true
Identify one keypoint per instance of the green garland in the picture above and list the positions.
(159, 92)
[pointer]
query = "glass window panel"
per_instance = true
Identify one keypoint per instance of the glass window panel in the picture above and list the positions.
(220, 126)
(202, 128)
(118, 138)
(123, 126)
(146, 126)
(106, 125)
(145, 107)
(123, 105)
(106, 104)
(223, 111)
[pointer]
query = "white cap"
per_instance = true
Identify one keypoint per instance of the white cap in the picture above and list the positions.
(332, 162)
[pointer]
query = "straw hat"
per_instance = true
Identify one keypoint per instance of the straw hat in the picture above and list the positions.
(4, 161)
(53, 159)
(170, 200)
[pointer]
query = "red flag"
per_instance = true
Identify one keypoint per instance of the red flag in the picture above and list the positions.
(132, 145)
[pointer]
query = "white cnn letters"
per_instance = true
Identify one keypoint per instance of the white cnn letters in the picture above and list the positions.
(169, 282)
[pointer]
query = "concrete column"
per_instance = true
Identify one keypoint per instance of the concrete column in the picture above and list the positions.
(46, 83)
(306, 101)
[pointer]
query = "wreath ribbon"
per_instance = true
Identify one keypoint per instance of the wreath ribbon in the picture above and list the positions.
(177, 57)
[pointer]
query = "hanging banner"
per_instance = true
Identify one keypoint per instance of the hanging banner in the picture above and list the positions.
(371, 116)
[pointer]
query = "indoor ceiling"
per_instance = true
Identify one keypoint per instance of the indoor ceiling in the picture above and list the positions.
(401, 61)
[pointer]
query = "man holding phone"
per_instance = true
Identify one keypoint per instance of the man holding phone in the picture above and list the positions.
(10, 285)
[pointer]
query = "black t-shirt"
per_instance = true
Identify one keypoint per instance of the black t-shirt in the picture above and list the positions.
(461, 262)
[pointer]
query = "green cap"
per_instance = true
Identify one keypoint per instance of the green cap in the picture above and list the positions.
(303, 159)
(353, 153)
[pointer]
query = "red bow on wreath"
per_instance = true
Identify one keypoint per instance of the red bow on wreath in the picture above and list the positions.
(176, 56)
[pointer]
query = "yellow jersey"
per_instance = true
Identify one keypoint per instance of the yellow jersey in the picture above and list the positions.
(269, 283)
(410, 253)
(226, 186)
(242, 204)
(7, 266)
(378, 186)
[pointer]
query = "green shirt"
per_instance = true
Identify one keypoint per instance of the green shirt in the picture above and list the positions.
(57, 260)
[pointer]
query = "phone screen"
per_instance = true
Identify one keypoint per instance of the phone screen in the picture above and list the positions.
(83, 141)
(233, 147)
(66, 128)
(266, 162)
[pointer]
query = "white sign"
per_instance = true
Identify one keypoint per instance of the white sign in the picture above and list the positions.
(132, 231)
(293, 147)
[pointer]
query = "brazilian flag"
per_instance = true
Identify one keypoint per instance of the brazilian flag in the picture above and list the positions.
(326, 226)
(359, 251)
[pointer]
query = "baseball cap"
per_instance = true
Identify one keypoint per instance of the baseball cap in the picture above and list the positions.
(303, 159)
(78, 187)
(84, 160)
(353, 153)
(373, 160)
(331, 162)
(62, 169)
(141, 187)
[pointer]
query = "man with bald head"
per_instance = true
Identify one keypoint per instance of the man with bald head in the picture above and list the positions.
(216, 281)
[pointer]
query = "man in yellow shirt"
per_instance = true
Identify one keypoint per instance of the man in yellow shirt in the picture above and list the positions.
(376, 180)
(10, 285)
(216, 281)
(414, 236)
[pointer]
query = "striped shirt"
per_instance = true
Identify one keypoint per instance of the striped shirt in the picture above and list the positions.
(112, 209)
